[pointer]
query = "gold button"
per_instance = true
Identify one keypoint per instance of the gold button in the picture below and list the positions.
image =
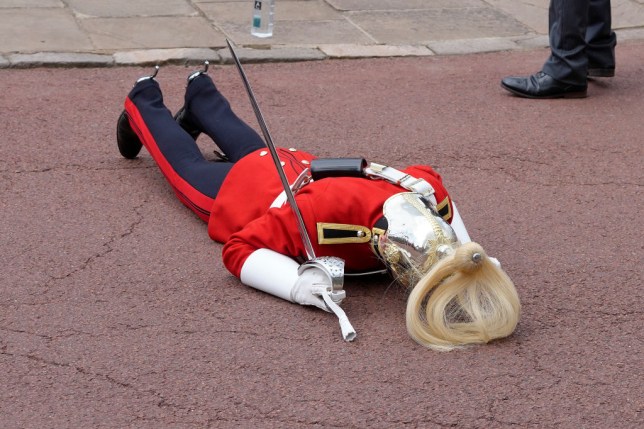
(360, 233)
(292, 149)
(305, 162)
(263, 153)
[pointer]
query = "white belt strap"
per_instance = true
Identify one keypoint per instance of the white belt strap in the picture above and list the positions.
(302, 180)
(404, 180)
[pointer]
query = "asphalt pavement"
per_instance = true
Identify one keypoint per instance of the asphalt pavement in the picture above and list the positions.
(115, 308)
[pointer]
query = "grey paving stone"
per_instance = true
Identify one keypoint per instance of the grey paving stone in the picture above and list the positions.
(164, 56)
(532, 42)
(627, 13)
(437, 24)
(112, 34)
(347, 5)
(248, 55)
(367, 51)
(532, 13)
(62, 59)
(300, 33)
(30, 3)
(123, 8)
(241, 13)
(469, 46)
(40, 29)
(630, 34)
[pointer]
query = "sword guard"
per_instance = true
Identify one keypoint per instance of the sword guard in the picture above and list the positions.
(333, 267)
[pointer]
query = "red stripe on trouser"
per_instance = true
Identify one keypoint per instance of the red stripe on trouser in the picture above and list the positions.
(189, 196)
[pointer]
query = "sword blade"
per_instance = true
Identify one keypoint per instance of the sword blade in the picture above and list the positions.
(271, 147)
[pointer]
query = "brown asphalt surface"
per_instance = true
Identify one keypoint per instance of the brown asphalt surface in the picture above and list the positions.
(116, 311)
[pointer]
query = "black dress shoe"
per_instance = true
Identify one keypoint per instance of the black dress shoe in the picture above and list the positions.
(541, 85)
(128, 142)
(601, 71)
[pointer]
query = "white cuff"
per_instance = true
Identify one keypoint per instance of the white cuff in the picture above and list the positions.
(458, 226)
(270, 272)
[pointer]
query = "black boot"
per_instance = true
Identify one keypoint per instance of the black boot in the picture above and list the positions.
(184, 121)
(182, 116)
(127, 140)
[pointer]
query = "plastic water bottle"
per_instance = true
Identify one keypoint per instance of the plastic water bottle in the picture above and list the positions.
(263, 11)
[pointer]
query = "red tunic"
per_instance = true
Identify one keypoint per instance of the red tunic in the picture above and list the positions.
(241, 218)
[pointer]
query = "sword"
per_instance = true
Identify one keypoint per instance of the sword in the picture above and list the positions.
(310, 254)
(332, 266)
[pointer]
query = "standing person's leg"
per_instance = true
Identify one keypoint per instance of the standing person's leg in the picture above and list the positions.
(208, 111)
(564, 73)
(600, 40)
(568, 62)
(195, 180)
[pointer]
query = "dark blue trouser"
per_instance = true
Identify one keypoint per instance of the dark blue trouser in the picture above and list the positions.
(195, 180)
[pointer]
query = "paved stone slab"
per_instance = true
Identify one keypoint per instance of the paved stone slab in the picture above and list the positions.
(163, 56)
(60, 59)
(241, 12)
(111, 34)
(381, 5)
(124, 8)
(30, 3)
(469, 46)
(48, 30)
(272, 55)
(627, 13)
(362, 51)
(436, 24)
(96, 26)
(630, 34)
(301, 33)
(531, 42)
(532, 13)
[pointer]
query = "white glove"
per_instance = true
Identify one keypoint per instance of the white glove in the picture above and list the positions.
(309, 287)
(277, 274)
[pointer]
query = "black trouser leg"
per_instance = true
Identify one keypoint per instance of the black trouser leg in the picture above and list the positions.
(600, 38)
(568, 20)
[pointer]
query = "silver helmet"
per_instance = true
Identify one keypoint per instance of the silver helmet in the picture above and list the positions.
(416, 237)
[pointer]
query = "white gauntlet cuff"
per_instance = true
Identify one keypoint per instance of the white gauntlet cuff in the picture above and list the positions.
(270, 272)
